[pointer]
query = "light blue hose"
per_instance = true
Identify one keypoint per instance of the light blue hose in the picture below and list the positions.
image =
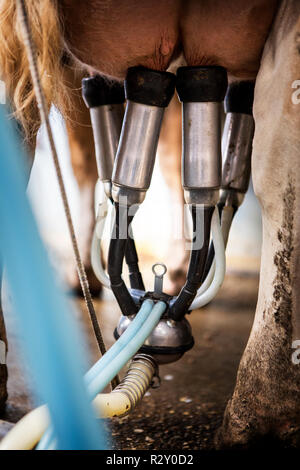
(100, 365)
(51, 341)
(100, 381)
(117, 347)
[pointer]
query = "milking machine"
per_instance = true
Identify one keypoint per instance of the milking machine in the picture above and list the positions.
(210, 192)
(237, 142)
(173, 336)
(153, 328)
(148, 92)
(236, 154)
(106, 103)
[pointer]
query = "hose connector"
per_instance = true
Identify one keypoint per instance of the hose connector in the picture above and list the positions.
(168, 341)
(141, 375)
(116, 255)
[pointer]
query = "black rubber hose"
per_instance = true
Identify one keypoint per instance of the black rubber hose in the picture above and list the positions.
(132, 261)
(239, 97)
(116, 255)
(98, 91)
(150, 87)
(211, 250)
(196, 265)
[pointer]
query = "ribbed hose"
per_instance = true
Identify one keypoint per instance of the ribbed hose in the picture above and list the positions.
(138, 379)
(96, 382)
(28, 431)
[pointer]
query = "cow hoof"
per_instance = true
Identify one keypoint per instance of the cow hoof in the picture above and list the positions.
(264, 407)
(237, 432)
(94, 283)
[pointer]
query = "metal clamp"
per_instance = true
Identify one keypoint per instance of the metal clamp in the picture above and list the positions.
(159, 277)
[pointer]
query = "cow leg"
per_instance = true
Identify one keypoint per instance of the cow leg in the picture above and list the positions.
(266, 396)
(30, 147)
(3, 352)
(169, 151)
(83, 160)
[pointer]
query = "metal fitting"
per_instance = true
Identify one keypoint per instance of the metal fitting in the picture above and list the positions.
(201, 89)
(201, 177)
(168, 341)
(105, 101)
(136, 152)
(106, 123)
(237, 142)
(231, 198)
(236, 149)
(147, 92)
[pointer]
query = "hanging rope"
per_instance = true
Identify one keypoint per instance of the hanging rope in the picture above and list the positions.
(44, 113)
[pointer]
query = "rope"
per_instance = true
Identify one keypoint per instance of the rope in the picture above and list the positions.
(44, 114)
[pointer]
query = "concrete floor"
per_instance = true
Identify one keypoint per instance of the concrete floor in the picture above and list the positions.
(186, 410)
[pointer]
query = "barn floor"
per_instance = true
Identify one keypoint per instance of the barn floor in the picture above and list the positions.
(186, 410)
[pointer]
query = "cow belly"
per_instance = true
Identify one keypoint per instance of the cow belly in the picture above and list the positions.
(112, 36)
(230, 33)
